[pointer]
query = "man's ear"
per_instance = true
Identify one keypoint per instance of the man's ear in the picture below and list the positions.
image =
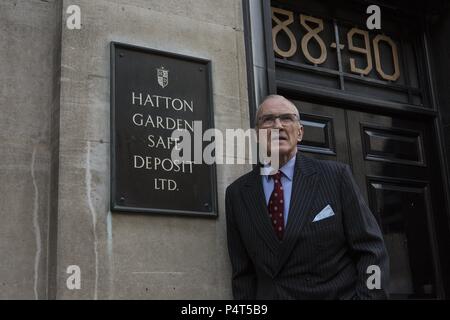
(300, 134)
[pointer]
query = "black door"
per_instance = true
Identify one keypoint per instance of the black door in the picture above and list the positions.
(394, 164)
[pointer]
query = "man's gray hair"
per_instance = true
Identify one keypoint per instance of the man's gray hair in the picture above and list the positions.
(273, 96)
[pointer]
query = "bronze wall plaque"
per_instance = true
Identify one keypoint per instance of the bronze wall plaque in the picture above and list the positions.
(154, 93)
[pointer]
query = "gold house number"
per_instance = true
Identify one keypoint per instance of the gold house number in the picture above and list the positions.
(314, 26)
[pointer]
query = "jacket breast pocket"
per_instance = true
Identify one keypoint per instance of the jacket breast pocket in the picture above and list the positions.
(325, 222)
(325, 232)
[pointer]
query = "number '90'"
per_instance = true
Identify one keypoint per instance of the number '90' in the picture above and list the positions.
(313, 27)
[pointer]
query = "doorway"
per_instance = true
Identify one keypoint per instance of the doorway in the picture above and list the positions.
(395, 167)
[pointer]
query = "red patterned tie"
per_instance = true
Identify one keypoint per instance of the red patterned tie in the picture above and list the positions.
(276, 206)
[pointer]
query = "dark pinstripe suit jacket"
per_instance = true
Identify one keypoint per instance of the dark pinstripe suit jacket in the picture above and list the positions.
(327, 259)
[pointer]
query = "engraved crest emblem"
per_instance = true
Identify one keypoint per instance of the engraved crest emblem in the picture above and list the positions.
(163, 77)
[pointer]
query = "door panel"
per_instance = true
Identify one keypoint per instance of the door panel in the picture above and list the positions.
(325, 135)
(397, 171)
(402, 209)
(392, 164)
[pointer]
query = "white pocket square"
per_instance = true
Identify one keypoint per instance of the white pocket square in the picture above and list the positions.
(325, 213)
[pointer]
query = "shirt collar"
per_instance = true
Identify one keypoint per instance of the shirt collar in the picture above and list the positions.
(287, 169)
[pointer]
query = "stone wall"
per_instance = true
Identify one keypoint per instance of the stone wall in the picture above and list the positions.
(29, 50)
(55, 147)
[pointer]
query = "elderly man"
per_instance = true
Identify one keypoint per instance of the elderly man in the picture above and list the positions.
(304, 232)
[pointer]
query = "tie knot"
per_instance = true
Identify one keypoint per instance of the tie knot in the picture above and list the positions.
(277, 176)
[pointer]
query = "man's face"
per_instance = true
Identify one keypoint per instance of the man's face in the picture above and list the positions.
(279, 113)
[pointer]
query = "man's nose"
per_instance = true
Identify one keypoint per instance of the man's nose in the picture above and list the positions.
(277, 123)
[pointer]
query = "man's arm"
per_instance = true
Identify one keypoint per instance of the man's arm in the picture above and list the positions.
(364, 238)
(243, 273)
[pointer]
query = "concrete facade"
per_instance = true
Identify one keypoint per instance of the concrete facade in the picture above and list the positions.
(28, 95)
(55, 172)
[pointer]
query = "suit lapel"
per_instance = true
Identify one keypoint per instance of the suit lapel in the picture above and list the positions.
(304, 187)
(257, 209)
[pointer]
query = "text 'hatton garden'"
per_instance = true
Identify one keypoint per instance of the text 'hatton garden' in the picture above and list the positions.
(142, 119)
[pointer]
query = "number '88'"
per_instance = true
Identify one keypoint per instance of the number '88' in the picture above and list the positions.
(314, 26)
